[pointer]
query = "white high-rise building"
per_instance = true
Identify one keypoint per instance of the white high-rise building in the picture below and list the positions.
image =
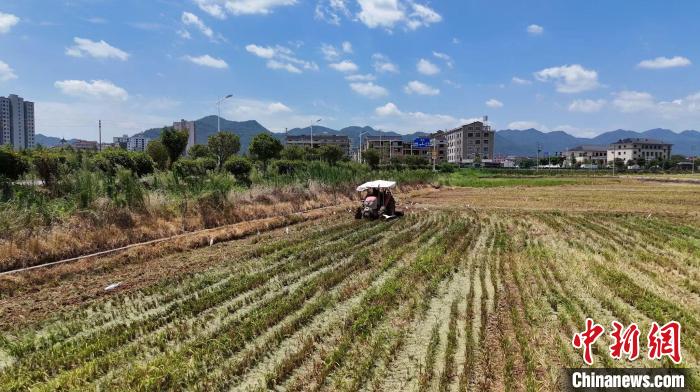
(16, 122)
(191, 128)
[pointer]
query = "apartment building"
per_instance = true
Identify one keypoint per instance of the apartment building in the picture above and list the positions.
(16, 122)
(86, 145)
(191, 128)
(320, 140)
(387, 146)
(470, 142)
(635, 148)
(132, 143)
(584, 154)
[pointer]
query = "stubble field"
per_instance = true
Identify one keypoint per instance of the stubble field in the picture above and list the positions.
(475, 289)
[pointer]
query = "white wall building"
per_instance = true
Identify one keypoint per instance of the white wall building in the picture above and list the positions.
(191, 128)
(16, 122)
(635, 148)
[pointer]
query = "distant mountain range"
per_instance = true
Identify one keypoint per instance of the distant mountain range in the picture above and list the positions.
(508, 141)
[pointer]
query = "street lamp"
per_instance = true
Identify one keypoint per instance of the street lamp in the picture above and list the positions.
(312, 131)
(359, 150)
(218, 108)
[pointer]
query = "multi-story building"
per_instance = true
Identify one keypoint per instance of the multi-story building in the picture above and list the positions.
(587, 154)
(191, 128)
(16, 122)
(470, 142)
(121, 141)
(387, 146)
(636, 148)
(137, 143)
(84, 145)
(438, 141)
(132, 143)
(320, 140)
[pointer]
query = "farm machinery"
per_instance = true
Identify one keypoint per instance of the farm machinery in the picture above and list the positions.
(378, 201)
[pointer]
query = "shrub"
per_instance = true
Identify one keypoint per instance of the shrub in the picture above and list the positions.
(240, 168)
(12, 165)
(289, 167)
(111, 160)
(128, 191)
(200, 151)
(293, 153)
(157, 151)
(331, 154)
(48, 166)
(371, 157)
(189, 168)
(265, 147)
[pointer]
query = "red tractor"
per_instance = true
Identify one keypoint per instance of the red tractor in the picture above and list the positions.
(377, 202)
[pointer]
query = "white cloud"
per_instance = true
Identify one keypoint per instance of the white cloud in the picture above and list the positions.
(452, 83)
(570, 78)
(422, 16)
(383, 64)
(427, 68)
(190, 19)
(445, 57)
(277, 65)
(684, 110)
(390, 117)
(494, 103)
(360, 78)
(534, 29)
(96, 49)
(261, 51)
(586, 105)
(346, 66)
(100, 89)
(633, 101)
(7, 22)
(273, 115)
(330, 53)
(521, 125)
(416, 87)
(6, 72)
(184, 34)
(208, 61)
(369, 90)
(390, 109)
(212, 8)
(521, 81)
(331, 11)
(278, 107)
(390, 13)
(221, 8)
(665, 62)
(347, 47)
(281, 58)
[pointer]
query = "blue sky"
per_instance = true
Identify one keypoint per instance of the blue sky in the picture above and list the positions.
(402, 65)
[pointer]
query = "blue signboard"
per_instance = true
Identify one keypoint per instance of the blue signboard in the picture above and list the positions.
(421, 142)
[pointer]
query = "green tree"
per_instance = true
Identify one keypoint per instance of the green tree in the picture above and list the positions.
(223, 145)
(200, 151)
(175, 142)
(157, 151)
(240, 168)
(47, 166)
(371, 157)
(265, 147)
(332, 154)
(12, 164)
(293, 153)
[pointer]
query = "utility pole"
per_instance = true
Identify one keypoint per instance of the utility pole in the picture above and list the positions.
(99, 142)
(692, 151)
(538, 158)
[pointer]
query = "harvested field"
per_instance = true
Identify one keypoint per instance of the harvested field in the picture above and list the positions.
(474, 289)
